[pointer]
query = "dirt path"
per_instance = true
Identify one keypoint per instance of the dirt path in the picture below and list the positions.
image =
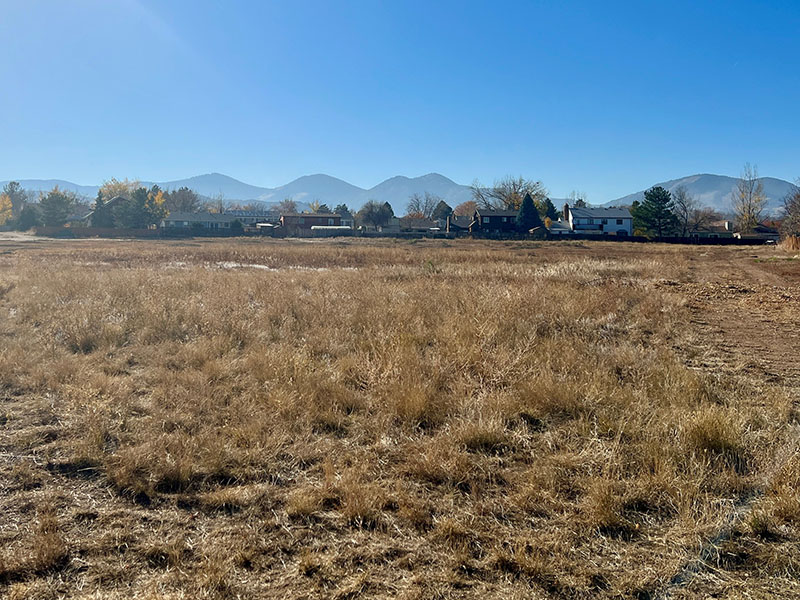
(745, 306)
(745, 312)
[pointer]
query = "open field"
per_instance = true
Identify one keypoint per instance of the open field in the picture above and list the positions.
(342, 419)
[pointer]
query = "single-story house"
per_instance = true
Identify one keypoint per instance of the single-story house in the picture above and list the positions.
(418, 225)
(250, 218)
(301, 223)
(760, 232)
(716, 229)
(599, 220)
(201, 220)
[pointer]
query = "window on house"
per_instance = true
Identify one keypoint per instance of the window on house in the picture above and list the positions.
(485, 219)
(605, 221)
(301, 220)
(504, 219)
(619, 221)
(330, 221)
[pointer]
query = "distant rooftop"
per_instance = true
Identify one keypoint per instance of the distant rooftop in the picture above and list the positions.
(201, 216)
(497, 213)
(600, 212)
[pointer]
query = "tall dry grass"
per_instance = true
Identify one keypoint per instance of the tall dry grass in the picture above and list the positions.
(790, 243)
(399, 419)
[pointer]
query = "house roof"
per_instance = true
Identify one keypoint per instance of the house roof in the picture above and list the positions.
(599, 212)
(249, 213)
(559, 226)
(713, 227)
(320, 215)
(201, 216)
(496, 213)
(764, 228)
(414, 223)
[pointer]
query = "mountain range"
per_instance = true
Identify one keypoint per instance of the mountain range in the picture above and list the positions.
(715, 191)
(710, 190)
(329, 190)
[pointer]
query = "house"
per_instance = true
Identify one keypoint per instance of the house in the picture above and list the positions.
(494, 221)
(559, 228)
(716, 229)
(599, 220)
(413, 224)
(201, 220)
(457, 223)
(301, 223)
(250, 218)
(760, 232)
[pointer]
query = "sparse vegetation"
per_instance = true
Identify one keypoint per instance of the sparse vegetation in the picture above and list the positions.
(340, 419)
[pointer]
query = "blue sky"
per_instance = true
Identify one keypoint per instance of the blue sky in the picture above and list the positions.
(603, 97)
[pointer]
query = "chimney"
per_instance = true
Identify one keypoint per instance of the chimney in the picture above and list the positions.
(566, 211)
(728, 226)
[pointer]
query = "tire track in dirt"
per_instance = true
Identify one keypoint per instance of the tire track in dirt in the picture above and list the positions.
(746, 321)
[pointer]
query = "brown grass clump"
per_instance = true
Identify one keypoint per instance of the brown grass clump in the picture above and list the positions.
(385, 419)
(791, 243)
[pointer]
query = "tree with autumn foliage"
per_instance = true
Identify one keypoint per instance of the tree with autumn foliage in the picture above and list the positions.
(466, 209)
(111, 188)
(5, 209)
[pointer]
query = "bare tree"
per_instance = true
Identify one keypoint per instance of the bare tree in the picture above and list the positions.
(791, 211)
(480, 195)
(182, 200)
(577, 199)
(422, 206)
(702, 218)
(683, 205)
(256, 206)
(287, 206)
(216, 204)
(507, 193)
(749, 200)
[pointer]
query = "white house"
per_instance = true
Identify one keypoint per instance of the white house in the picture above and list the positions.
(599, 220)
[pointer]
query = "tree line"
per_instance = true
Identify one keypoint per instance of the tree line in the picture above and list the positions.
(661, 213)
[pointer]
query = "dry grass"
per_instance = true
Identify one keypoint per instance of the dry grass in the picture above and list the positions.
(791, 243)
(377, 419)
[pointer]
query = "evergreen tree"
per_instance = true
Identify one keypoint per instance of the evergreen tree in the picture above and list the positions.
(442, 210)
(528, 217)
(546, 208)
(343, 211)
(655, 215)
(56, 206)
(28, 218)
(102, 215)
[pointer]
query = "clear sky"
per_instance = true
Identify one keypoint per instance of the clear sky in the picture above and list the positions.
(603, 97)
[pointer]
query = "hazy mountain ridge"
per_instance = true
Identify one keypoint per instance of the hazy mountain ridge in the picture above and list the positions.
(710, 190)
(325, 188)
(715, 191)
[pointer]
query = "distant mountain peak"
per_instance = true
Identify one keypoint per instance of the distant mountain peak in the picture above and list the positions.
(714, 191)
